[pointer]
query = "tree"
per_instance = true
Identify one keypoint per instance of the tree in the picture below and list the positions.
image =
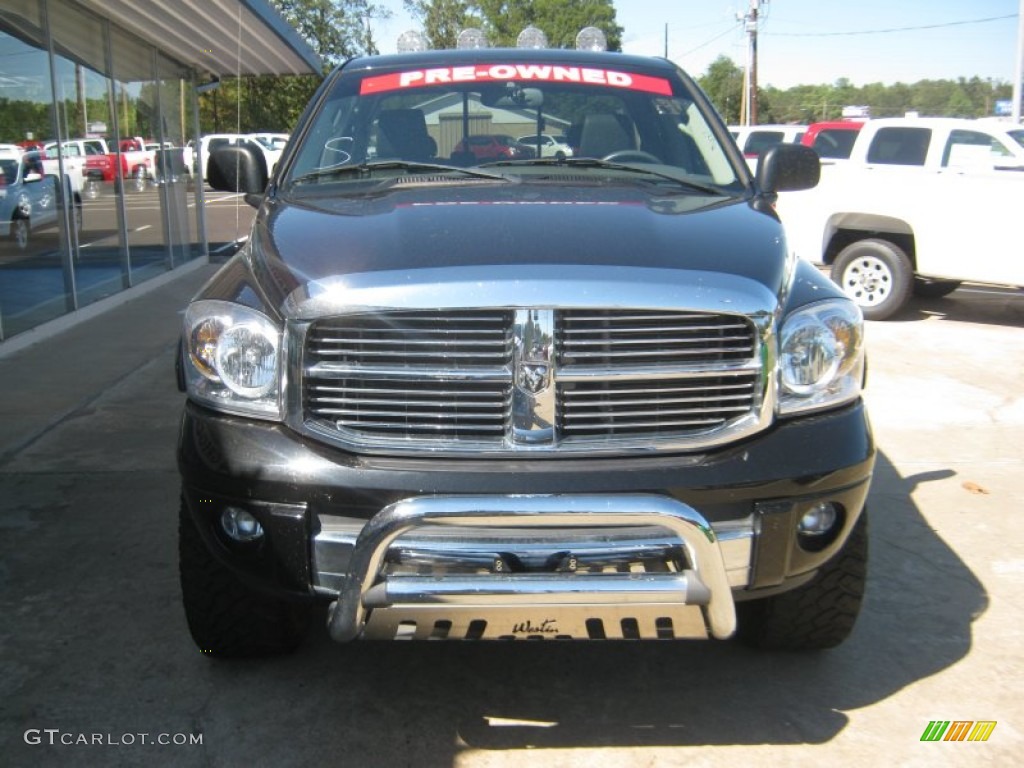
(335, 29)
(723, 83)
(560, 20)
(442, 20)
(959, 104)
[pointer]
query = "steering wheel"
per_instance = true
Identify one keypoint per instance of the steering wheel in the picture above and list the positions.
(631, 156)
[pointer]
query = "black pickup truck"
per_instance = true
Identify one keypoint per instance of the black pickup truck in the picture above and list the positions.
(589, 396)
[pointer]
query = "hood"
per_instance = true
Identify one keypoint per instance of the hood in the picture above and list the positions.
(485, 227)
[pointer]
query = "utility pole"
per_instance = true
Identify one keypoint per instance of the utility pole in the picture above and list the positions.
(748, 109)
(1019, 71)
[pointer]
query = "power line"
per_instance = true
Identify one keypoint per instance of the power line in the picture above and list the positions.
(895, 29)
(731, 29)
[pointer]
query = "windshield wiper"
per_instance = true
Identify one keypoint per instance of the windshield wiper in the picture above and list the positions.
(594, 162)
(364, 170)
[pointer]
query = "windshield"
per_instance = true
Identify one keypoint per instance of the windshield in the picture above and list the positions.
(469, 116)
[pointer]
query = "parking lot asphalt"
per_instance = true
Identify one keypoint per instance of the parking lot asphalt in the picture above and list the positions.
(97, 667)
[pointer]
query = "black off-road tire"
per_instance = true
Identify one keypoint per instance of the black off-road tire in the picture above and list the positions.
(228, 619)
(876, 274)
(818, 615)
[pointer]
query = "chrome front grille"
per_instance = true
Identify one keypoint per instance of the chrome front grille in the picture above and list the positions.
(448, 340)
(614, 338)
(471, 380)
(387, 407)
(662, 407)
(431, 375)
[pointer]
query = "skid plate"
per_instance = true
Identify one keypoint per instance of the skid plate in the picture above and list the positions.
(547, 622)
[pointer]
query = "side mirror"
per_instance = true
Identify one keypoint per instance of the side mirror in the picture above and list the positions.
(787, 168)
(241, 168)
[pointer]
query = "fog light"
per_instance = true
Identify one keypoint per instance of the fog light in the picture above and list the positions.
(819, 519)
(240, 525)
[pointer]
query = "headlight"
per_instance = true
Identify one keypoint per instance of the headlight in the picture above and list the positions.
(232, 359)
(821, 356)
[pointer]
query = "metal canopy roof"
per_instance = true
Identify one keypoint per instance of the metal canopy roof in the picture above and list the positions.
(218, 37)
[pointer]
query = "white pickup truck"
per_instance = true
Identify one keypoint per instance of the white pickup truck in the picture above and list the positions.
(921, 205)
(74, 165)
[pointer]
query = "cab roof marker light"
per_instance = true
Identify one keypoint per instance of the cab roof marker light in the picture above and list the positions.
(591, 39)
(531, 37)
(471, 37)
(412, 41)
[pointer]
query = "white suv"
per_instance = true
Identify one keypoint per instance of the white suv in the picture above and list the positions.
(546, 145)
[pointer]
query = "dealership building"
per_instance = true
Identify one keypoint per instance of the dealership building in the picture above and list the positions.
(120, 70)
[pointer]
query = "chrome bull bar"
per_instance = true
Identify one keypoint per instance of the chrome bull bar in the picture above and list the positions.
(697, 600)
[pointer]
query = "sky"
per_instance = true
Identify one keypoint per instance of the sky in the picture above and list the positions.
(805, 42)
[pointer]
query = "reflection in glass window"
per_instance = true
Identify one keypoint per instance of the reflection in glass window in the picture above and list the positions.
(85, 153)
(33, 286)
(85, 119)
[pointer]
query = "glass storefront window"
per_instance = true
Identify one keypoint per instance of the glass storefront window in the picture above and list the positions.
(34, 285)
(84, 119)
(92, 125)
(172, 176)
(136, 93)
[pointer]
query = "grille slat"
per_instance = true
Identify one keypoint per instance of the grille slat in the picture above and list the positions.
(392, 426)
(663, 340)
(409, 342)
(364, 401)
(647, 353)
(622, 416)
(404, 353)
(399, 379)
(624, 329)
(409, 414)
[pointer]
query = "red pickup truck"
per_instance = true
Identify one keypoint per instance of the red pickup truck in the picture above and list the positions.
(832, 139)
(130, 162)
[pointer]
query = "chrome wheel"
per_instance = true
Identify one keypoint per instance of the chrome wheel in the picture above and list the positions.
(20, 228)
(876, 274)
(867, 280)
(139, 180)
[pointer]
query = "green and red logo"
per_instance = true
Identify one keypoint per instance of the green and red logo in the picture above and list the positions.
(958, 730)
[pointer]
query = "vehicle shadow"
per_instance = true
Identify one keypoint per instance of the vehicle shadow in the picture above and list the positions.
(969, 304)
(439, 699)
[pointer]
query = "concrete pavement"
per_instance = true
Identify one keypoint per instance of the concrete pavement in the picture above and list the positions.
(93, 643)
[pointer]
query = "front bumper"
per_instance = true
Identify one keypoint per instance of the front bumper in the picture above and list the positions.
(401, 547)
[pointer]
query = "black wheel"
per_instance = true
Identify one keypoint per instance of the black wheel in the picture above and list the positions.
(227, 619)
(876, 274)
(817, 615)
(934, 289)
